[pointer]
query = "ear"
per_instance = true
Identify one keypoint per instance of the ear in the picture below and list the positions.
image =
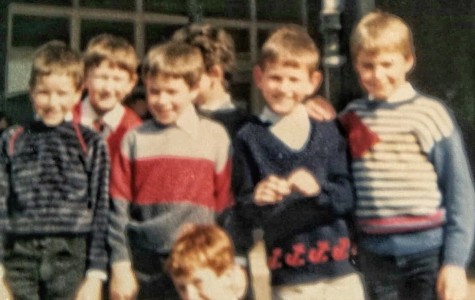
(195, 90)
(410, 63)
(132, 82)
(78, 94)
(315, 81)
(257, 74)
(216, 71)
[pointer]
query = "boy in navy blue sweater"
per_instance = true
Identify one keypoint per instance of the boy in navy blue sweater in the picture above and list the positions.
(291, 177)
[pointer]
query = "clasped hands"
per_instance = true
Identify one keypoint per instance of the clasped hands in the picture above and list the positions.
(273, 189)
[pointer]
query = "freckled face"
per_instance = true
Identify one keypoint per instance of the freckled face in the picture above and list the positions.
(53, 97)
(168, 96)
(284, 87)
(381, 74)
(107, 85)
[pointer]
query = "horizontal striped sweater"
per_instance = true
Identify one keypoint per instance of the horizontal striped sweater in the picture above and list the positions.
(163, 178)
(410, 171)
(54, 181)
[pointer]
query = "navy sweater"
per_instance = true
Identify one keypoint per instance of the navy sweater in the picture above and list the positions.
(306, 238)
(54, 181)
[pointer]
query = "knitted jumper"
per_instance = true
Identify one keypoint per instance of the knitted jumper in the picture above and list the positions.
(128, 121)
(54, 181)
(163, 178)
(410, 173)
(306, 237)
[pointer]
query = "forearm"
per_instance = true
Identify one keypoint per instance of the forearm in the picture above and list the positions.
(117, 240)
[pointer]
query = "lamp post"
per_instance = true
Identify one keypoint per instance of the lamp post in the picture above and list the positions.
(332, 61)
(195, 10)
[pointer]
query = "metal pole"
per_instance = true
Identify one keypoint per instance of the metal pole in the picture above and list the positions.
(195, 11)
(332, 61)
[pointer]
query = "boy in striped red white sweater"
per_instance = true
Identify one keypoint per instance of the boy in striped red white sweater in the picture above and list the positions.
(172, 170)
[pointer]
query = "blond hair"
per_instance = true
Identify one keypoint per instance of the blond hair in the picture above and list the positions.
(174, 59)
(113, 49)
(56, 57)
(200, 246)
(290, 45)
(381, 31)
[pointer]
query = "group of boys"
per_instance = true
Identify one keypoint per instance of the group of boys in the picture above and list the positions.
(67, 224)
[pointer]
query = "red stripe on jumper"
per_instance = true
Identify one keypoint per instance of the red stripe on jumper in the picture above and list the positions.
(174, 179)
(439, 215)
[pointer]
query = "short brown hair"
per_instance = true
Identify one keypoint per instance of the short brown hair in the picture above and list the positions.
(57, 57)
(175, 59)
(290, 45)
(215, 44)
(114, 49)
(381, 31)
(201, 245)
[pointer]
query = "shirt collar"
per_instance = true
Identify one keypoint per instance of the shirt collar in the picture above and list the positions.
(293, 129)
(268, 116)
(403, 93)
(298, 113)
(188, 121)
(225, 103)
(111, 119)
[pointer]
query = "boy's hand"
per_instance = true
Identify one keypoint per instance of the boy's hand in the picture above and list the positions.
(239, 282)
(451, 283)
(319, 109)
(5, 290)
(90, 289)
(271, 190)
(303, 182)
(123, 284)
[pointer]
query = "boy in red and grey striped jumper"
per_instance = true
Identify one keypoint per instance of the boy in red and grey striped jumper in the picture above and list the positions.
(174, 169)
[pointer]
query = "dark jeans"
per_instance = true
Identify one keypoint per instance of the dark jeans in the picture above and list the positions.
(404, 277)
(153, 282)
(45, 268)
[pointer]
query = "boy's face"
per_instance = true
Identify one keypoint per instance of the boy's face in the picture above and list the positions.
(284, 86)
(205, 284)
(168, 96)
(381, 74)
(107, 85)
(53, 97)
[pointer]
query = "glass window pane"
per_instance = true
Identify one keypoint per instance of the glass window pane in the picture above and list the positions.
(91, 28)
(235, 9)
(109, 4)
(166, 6)
(241, 39)
(279, 10)
(158, 33)
(32, 31)
(46, 2)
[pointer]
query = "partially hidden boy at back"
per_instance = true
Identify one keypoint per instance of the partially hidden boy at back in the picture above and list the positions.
(202, 265)
(219, 54)
(415, 196)
(110, 75)
(173, 169)
(54, 177)
(290, 176)
(214, 99)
